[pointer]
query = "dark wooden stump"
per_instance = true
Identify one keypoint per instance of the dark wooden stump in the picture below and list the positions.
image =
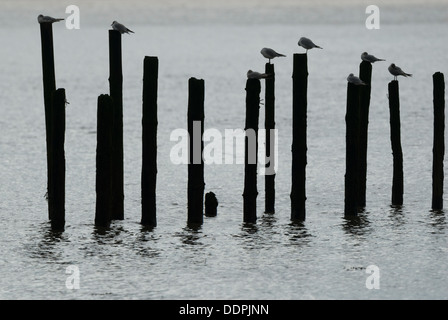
(149, 141)
(439, 141)
(395, 137)
(250, 193)
(196, 185)
(299, 137)
(116, 93)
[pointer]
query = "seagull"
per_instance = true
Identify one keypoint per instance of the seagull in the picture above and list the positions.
(307, 44)
(45, 19)
(269, 53)
(256, 75)
(396, 71)
(121, 28)
(355, 80)
(369, 58)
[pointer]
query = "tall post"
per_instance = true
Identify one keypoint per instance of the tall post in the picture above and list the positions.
(104, 196)
(395, 137)
(195, 192)
(365, 74)
(250, 193)
(439, 140)
(49, 86)
(149, 141)
(269, 125)
(57, 195)
(352, 151)
(299, 136)
(116, 93)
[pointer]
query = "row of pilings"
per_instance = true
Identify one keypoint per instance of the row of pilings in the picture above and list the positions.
(109, 153)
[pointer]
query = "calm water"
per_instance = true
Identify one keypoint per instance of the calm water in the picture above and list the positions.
(325, 258)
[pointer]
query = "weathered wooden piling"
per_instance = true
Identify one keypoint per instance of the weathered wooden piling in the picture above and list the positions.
(56, 195)
(149, 141)
(49, 87)
(211, 204)
(250, 193)
(104, 196)
(365, 74)
(439, 140)
(352, 151)
(196, 95)
(395, 137)
(269, 124)
(299, 136)
(116, 93)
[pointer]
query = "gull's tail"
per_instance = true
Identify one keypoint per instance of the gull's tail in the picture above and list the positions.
(128, 30)
(58, 19)
(318, 47)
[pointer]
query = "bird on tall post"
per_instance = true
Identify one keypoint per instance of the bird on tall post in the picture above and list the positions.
(256, 75)
(120, 28)
(355, 80)
(269, 53)
(47, 19)
(370, 58)
(396, 71)
(307, 44)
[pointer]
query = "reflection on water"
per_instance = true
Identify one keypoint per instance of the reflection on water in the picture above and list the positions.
(47, 247)
(358, 225)
(249, 228)
(191, 235)
(109, 235)
(437, 220)
(397, 215)
(269, 233)
(297, 233)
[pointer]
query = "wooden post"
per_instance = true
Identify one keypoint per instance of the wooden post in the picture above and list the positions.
(211, 204)
(116, 93)
(49, 86)
(149, 141)
(269, 125)
(196, 94)
(352, 151)
(299, 136)
(395, 137)
(250, 193)
(439, 140)
(365, 74)
(57, 195)
(104, 196)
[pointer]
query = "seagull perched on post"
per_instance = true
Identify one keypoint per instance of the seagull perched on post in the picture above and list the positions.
(269, 53)
(370, 58)
(256, 75)
(121, 28)
(396, 71)
(307, 44)
(355, 80)
(47, 19)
